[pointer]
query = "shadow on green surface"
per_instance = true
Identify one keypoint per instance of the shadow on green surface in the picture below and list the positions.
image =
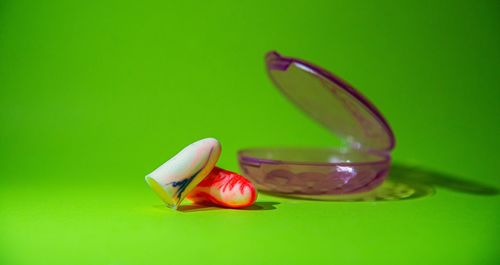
(257, 206)
(188, 208)
(261, 206)
(416, 175)
(405, 183)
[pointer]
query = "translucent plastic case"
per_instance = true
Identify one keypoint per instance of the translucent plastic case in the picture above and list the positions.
(322, 172)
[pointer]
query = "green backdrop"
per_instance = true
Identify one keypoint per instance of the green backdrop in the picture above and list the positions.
(95, 95)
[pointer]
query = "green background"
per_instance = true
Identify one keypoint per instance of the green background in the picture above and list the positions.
(95, 95)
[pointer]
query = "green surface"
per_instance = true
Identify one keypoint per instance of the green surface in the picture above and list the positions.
(94, 95)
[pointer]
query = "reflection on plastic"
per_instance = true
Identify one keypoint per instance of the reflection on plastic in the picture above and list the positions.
(405, 182)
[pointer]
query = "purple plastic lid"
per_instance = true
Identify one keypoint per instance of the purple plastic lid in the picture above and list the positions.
(332, 102)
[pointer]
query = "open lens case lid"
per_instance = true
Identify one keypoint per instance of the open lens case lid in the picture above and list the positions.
(341, 109)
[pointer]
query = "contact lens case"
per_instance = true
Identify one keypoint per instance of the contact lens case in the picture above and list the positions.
(322, 173)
